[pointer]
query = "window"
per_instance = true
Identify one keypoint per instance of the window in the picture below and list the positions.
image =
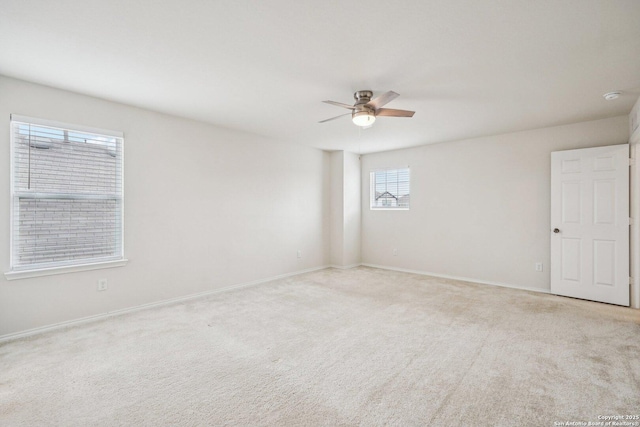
(66, 191)
(390, 189)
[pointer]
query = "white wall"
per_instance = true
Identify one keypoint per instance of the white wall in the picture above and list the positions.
(480, 207)
(337, 208)
(205, 208)
(352, 209)
(345, 209)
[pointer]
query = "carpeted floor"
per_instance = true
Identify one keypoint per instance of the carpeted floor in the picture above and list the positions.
(334, 347)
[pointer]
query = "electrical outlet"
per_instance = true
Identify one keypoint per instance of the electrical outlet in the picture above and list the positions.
(395, 252)
(539, 267)
(102, 284)
(299, 253)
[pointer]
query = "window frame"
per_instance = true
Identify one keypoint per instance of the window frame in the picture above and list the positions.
(59, 267)
(372, 189)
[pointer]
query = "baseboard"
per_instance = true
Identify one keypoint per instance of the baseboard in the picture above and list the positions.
(345, 267)
(464, 279)
(88, 319)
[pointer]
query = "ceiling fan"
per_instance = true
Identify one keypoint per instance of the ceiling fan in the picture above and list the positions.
(365, 110)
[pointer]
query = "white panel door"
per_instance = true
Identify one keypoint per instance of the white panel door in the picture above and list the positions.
(590, 224)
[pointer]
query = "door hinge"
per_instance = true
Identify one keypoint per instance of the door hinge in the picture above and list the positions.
(631, 280)
(632, 162)
(630, 221)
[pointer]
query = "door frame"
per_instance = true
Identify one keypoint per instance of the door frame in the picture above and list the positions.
(634, 230)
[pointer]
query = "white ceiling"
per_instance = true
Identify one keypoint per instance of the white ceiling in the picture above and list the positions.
(468, 68)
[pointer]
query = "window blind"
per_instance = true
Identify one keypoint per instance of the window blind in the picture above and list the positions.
(67, 194)
(390, 189)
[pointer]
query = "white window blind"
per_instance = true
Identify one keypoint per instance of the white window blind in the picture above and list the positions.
(390, 189)
(67, 194)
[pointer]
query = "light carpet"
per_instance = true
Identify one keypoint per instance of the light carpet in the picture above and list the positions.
(336, 348)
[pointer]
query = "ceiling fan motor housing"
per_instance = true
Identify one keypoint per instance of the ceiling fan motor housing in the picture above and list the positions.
(362, 97)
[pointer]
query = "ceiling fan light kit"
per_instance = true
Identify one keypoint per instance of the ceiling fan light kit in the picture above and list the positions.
(365, 110)
(363, 118)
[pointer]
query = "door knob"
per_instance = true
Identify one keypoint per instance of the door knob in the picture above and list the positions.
(556, 230)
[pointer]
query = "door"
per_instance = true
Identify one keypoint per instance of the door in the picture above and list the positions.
(590, 224)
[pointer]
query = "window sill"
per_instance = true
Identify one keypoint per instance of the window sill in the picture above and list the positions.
(25, 274)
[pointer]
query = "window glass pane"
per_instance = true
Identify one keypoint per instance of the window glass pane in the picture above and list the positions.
(66, 167)
(67, 196)
(51, 230)
(390, 188)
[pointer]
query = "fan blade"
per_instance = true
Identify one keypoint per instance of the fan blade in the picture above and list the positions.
(383, 99)
(336, 117)
(340, 104)
(390, 112)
